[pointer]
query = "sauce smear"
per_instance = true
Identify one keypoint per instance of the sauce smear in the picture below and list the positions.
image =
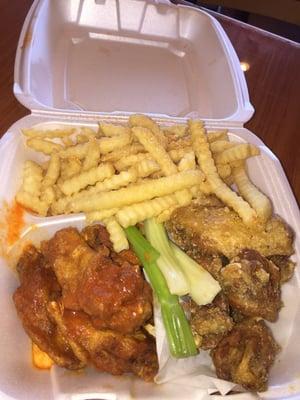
(15, 222)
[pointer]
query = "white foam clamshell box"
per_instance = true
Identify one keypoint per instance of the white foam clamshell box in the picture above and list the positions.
(80, 61)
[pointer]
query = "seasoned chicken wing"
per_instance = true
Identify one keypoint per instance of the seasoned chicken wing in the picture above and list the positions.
(114, 293)
(246, 355)
(251, 284)
(38, 287)
(210, 323)
(214, 229)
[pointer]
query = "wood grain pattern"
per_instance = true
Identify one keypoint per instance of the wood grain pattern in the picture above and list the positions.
(273, 80)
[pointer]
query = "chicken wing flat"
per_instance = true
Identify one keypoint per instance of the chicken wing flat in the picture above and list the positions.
(210, 323)
(246, 355)
(251, 284)
(110, 351)
(38, 287)
(212, 229)
(114, 294)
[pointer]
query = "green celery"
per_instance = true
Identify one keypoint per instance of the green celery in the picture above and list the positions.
(167, 262)
(178, 331)
(203, 287)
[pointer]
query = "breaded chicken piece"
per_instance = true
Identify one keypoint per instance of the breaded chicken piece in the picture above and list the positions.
(251, 284)
(210, 323)
(209, 230)
(285, 265)
(246, 355)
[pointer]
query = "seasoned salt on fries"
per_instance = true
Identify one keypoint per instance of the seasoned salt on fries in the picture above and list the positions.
(124, 174)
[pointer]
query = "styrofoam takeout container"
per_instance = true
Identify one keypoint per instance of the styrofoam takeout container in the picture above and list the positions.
(80, 61)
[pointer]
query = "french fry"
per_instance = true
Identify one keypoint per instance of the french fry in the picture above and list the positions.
(138, 212)
(108, 144)
(113, 130)
(146, 167)
(157, 151)
(116, 234)
(32, 178)
(128, 161)
(139, 120)
(165, 215)
(220, 145)
(217, 135)
(137, 192)
(43, 146)
(187, 162)
(67, 141)
(100, 215)
(48, 195)
(179, 143)
(177, 154)
(218, 187)
(92, 157)
(78, 150)
(178, 130)
(31, 202)
(52, 172)
(184, 198)
(69, 167)
(49, 133)
(235, 153)
(125, 151)
(224, 170)
(81, 138)
(114, 182)
(40, 359)
(59, 206)
(90, 177)
(259, 201)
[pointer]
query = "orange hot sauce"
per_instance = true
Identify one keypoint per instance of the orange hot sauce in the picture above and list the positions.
(15, 222)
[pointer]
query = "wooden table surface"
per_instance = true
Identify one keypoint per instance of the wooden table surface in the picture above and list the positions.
(273, 80)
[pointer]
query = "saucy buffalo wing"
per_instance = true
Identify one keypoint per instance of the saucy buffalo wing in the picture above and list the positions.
(81, 303)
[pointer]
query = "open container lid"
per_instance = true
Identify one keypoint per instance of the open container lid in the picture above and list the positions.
(123, 56)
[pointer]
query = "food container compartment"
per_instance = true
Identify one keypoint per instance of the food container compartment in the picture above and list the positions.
(80, 61)
(265, 171)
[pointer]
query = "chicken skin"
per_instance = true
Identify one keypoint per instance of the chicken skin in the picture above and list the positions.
(251, 284)
(246, 355)
(115, 295)
(218, 230)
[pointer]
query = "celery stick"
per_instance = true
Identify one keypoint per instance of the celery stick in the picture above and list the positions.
(180, 338)
(203, 287)
(167, 262)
